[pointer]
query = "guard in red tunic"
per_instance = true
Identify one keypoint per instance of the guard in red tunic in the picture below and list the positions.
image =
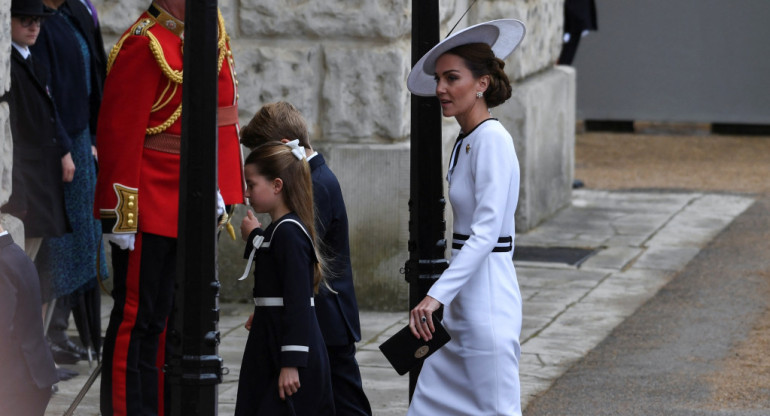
(137, 194)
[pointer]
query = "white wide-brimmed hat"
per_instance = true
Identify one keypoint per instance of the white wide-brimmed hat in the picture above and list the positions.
(502, 35)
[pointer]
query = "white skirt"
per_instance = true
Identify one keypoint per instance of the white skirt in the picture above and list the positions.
(477, 372)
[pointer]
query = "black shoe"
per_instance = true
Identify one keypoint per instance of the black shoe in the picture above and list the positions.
(75, 348)
(62, 356)
(65, 374)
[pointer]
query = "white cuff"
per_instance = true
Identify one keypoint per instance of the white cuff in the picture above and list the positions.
(124, 241)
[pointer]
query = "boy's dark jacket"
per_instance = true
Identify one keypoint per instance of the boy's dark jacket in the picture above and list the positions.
(337, 313)
(39, 142)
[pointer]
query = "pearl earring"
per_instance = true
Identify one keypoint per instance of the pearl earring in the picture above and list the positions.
(479, 94)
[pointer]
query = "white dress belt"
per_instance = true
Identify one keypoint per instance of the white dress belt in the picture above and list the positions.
(274, 302)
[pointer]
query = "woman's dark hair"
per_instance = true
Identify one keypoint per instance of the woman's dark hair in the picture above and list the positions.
(481, 61)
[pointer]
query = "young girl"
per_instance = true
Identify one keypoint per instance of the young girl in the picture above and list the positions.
(285, 368)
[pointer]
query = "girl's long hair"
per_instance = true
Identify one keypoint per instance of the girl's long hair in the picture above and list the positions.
(275, 160)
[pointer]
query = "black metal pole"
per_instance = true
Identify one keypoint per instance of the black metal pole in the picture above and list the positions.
(194, 367)
(427, 244)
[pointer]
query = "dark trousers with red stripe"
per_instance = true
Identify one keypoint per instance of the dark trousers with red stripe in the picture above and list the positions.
(143, 295)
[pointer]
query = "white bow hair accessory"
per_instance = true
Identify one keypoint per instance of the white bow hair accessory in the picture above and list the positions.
(296, 149)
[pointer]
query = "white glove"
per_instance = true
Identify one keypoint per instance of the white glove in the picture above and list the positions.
(124, 241)
(220, 204)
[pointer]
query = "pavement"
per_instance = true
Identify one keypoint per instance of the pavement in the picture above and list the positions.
(638, 240)
(696, 348)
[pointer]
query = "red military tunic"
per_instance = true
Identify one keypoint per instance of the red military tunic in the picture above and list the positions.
(138, 134)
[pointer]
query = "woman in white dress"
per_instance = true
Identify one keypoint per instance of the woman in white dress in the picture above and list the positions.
(477, 372)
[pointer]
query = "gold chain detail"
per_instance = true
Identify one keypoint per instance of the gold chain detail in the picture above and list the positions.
(160, 103)
(167, 123)
(177, 76)
(114, 52)
(157, 52)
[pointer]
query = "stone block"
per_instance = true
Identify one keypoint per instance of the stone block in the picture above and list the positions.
(364, 93)
(6, 154)
(542, 43)
(15, 228)
(115, 17)
(541, 118)
(268, 73)
(375, 184)
(229, 10)
(5, 45)
(361, 19)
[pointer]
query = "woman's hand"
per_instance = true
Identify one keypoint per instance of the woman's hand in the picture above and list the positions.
(67, 168)
(249, 223)
(421, 318)
(248, 323)
(288, 382)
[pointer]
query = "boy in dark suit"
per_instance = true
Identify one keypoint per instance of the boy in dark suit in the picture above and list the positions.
(41, 157)
(337, 312)
(25, 361)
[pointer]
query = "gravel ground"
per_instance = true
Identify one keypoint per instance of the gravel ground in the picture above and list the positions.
(654, 161)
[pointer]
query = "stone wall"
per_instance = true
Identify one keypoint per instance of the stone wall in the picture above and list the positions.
(11, 224)
(344, 64)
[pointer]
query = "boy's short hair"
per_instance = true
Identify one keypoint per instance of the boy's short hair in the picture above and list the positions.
(275, 121)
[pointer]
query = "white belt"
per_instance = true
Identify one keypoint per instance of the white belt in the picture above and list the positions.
(274, 302)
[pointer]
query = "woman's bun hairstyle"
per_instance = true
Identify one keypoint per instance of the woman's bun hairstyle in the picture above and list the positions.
(481, 61)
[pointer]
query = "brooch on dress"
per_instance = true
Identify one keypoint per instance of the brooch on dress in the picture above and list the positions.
(467, 149)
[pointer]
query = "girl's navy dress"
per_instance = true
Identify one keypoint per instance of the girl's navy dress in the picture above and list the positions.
(284, 331)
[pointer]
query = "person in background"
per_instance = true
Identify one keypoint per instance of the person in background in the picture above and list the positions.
(477, 371)
(25, 361)
(579, 19)
(336, 309)
(137, 195)
(285, 369)
(71, 48)
(42, 161)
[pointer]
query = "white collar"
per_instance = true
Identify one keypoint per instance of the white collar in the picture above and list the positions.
(23, 50)
(312, 156)
(3, 233)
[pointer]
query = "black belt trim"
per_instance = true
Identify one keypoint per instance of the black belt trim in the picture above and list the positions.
(501, 240)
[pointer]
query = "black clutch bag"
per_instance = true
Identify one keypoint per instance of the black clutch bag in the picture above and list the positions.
(404, 351)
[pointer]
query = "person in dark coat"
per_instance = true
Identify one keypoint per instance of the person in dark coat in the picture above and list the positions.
(71, 48)
(336, 309)
(579, 19)
(78, 103)
(285, 369)
(41, 157)
(25, 362)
